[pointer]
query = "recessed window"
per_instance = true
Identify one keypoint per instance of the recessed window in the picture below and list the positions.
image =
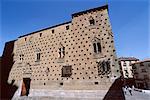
(21, 57)
(61, 83)
(66, 71)
(91, 21)
(96, 83)
(53, 31)
(61, 51)
(40, 34)
(103, 67)
(67, 27)
(38, 54)
(97, 47)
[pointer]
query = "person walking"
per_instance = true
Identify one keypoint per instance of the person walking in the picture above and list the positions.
(130, 90)
(125, 90)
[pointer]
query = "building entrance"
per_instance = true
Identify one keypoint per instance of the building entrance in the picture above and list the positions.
(25, 87)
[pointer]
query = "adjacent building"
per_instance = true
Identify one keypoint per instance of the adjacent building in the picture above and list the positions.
(126, 66)
(76, 55)
(141, 71)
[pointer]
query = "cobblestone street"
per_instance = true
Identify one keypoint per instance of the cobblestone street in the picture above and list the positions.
(136, 95)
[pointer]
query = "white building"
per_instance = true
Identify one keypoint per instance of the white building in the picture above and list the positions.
(126, 66)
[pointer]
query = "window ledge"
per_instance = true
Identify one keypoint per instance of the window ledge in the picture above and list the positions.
(60, 60)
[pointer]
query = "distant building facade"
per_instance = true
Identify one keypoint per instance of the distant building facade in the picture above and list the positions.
(141, 71)
(126, 66)
(76, 55)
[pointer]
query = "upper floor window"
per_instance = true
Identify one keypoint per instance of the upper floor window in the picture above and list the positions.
(66, 71)
(53, 31)
(91, 21)
(143, 70)
(40, 34)
(97, 46)
(141, 64)
(67, 27)
(38, 54)
(124, 63)
(21, 57)
(61, 51)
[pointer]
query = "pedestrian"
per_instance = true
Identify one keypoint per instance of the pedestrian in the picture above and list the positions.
(130, 90)
(125, 90)
(132, 87)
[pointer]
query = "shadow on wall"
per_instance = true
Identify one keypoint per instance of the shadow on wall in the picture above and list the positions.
(7, 90)
(115, 92)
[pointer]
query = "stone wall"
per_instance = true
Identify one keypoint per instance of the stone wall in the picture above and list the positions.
(42, 55)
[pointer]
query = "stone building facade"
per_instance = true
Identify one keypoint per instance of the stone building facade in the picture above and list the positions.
(76, 55)
(142, 74)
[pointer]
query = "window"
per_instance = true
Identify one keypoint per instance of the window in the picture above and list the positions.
(141, 64)
(126, 73)
(47, 71)
(53, 31)
(61, 51)
(124, 64)
(91, 21)
(148, 65)
(66, 71)
(21, 56)
(143, 70)
(96, 83)
(99, 47)
(40, 34)
(67, 27)
(96, 45)
(103, 67)
(38, 54)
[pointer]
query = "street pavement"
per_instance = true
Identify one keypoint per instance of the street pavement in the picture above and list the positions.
(137, 95)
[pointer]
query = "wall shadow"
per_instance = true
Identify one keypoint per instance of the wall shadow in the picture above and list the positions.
(7, 90)
(115, 92)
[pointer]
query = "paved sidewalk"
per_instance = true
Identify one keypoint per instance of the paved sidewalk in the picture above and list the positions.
(136, 95)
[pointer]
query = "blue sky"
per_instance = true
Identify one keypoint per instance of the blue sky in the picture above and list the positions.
(129, 20)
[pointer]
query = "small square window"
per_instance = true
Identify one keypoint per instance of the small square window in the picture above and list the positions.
(67, 27)
(66, 71)
(96, 83)
(92, 22)
(61, 83)
(53, 31)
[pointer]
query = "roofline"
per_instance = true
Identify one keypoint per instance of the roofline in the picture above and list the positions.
(45, 28)
(141, 61)
(73, 15)
(11, 41)
(129, 59)
(89, 10)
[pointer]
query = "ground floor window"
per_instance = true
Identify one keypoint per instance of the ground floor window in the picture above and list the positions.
(66, 71)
